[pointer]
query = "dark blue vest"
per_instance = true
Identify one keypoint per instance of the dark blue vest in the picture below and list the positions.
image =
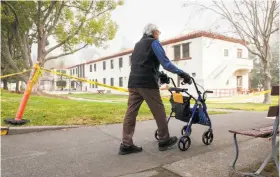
(144, 65)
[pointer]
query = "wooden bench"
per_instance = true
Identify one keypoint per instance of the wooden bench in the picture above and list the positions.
(100, 91)
(262, 132)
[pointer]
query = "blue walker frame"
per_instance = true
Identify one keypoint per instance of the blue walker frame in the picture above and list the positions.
(207, 137)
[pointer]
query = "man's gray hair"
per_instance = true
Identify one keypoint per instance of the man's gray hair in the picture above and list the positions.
(149, 28)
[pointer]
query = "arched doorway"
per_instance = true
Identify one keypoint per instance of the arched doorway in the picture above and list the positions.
(242, 80)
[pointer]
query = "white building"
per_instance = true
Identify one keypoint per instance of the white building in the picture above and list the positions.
(216, 62)
(50, 81)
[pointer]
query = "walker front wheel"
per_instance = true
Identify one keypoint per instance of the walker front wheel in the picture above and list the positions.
(207, 137)
(183, 130)
(156, 135)
(184, 143)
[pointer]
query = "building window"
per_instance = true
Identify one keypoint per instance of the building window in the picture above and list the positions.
(120, 62)
(104, 80)
(79, 71)
(239, 53)
(112, 64)
(130, 60)
(94, 67)
(226, 52)
(104, 65)
(71, 72)
(112, 81)
(93, 85)
(186, 50)
(83, 70)
(121, 81)
(177, 52)
(90, 68)
(239, 81)
(76, 70)
(96, 86)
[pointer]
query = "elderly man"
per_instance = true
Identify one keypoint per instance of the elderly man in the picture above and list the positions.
(143, 84)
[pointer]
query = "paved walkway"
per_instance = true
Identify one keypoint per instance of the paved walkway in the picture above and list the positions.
(92, 151)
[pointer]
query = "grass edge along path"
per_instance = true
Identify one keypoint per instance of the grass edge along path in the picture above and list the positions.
(42, 110)
(210, 105)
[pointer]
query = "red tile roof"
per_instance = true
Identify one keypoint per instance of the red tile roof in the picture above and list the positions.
(193, 35)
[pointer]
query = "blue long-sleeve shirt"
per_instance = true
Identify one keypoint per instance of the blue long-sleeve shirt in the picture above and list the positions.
(163, 59)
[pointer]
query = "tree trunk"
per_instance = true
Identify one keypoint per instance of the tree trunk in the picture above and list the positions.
(17, 86)
(5, 84)
(267, 82)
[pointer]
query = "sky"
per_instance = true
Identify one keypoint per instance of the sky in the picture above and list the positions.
(171, 16)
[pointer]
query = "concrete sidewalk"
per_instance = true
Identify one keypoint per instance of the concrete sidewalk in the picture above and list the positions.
(93, 151)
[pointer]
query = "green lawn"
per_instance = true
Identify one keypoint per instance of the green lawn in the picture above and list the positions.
(239, 106)
(94, 96)
(244, 106)
(55, 111)
(233, 106)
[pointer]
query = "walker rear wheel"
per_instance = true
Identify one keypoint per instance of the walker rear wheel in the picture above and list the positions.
(207, 137)
(183, 130)
(184, 143)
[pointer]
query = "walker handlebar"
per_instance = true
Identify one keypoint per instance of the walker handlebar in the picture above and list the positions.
(176, 89)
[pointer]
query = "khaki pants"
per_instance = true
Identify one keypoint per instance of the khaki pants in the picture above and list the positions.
(135, 100)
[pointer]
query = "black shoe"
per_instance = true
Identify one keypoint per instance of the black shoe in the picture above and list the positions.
(129, 149)
(164, 145)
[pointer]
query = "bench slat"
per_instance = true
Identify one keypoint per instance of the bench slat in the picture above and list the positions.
(275, 90)
(257, 133)
(273, 111)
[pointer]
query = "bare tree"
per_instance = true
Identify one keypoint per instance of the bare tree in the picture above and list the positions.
(254, 22)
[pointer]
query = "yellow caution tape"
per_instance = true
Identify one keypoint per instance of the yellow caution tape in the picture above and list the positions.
(126, 90)
(241, 97)
(4, 131)
(39, 70)
(35, 76)
(14, 74)
(85, 80)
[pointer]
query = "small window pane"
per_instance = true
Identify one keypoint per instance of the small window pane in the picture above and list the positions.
(186, 50)
(177, 52)
(121, 81)
(112, 64)
(120, 62)
(226, 52)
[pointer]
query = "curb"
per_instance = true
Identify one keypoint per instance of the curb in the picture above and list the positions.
(31, 129)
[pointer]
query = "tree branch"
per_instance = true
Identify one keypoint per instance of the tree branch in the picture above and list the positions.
(243, 17)
(64, 54)
(76, 7)
(273, 31)
(6, 55)
(270, 19)
(28, 48)
(71, 36)
(13, 11)
(57, 15)
(50, 8)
